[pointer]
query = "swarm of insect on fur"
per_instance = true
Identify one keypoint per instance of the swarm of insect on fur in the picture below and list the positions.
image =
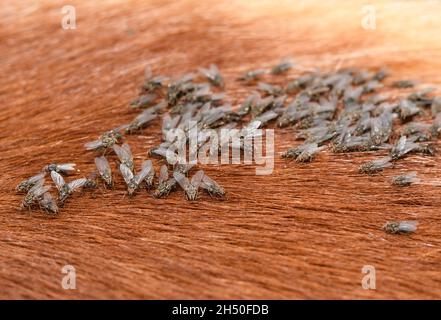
(343, 111)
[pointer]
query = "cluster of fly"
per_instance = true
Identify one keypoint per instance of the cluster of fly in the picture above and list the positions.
(341, 111)
(37, 193)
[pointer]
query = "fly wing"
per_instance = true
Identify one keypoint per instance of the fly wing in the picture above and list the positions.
(102, 165)
(184, 167)
(159, 79)
(412, 175)
(93, 145)
(58, 180)
(127, 149)
(196, 180)
(163, 174)
(123, 152)
(126, 173)
(145, 117)
(66, 167)
(408, 226)
(38, 185)
(251, 128)
(158, 107)
(383, 162)
(34, 179)
(401, 144)
(208, 182)
(40, 190)
(181, 179)
(267, 116)
(78, 183)
(146, 167)
(160, 152)
(49, 203)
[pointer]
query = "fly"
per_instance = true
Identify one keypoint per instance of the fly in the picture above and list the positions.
(402, 84)
(66, 189)
(62, 168)
(91, 181)
(248, 104)
(106, 140)
(133, 181)
(48, 204)
(152, 83)
(251, 75)
(269, 89)
(143, 101)
(376, 165)
(212, 187)
(150, 175)
(124, 154)
(405, 179)
(34, 194)
(104, 170)
(282, 67)
(190, 187)
(140, 121)
(27, 184)
(166, 184)
(402, 147)
(213, 75)
(400, 227)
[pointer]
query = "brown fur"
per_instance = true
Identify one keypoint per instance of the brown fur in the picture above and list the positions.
(303, 232)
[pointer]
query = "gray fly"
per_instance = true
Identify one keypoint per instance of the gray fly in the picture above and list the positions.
(34, 194)
(405, 179)
(144, 101)
(133, 181)
(402, 147)
(190, 187)
(140, 121)
(282, 67)
(303, 153)
(62, 168)
(91, 182)
(166, 184)
(212, 187)
(213, 75)
(152, 83)
(104, 170)
(48, 204)
(124, 154)
(106, 140)
(251, 75)
(376, 165)
(269, 89)
(248, 104)
(150, 175)
(400, 227)
(66, 189)
(27, 184)
(402, 84)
